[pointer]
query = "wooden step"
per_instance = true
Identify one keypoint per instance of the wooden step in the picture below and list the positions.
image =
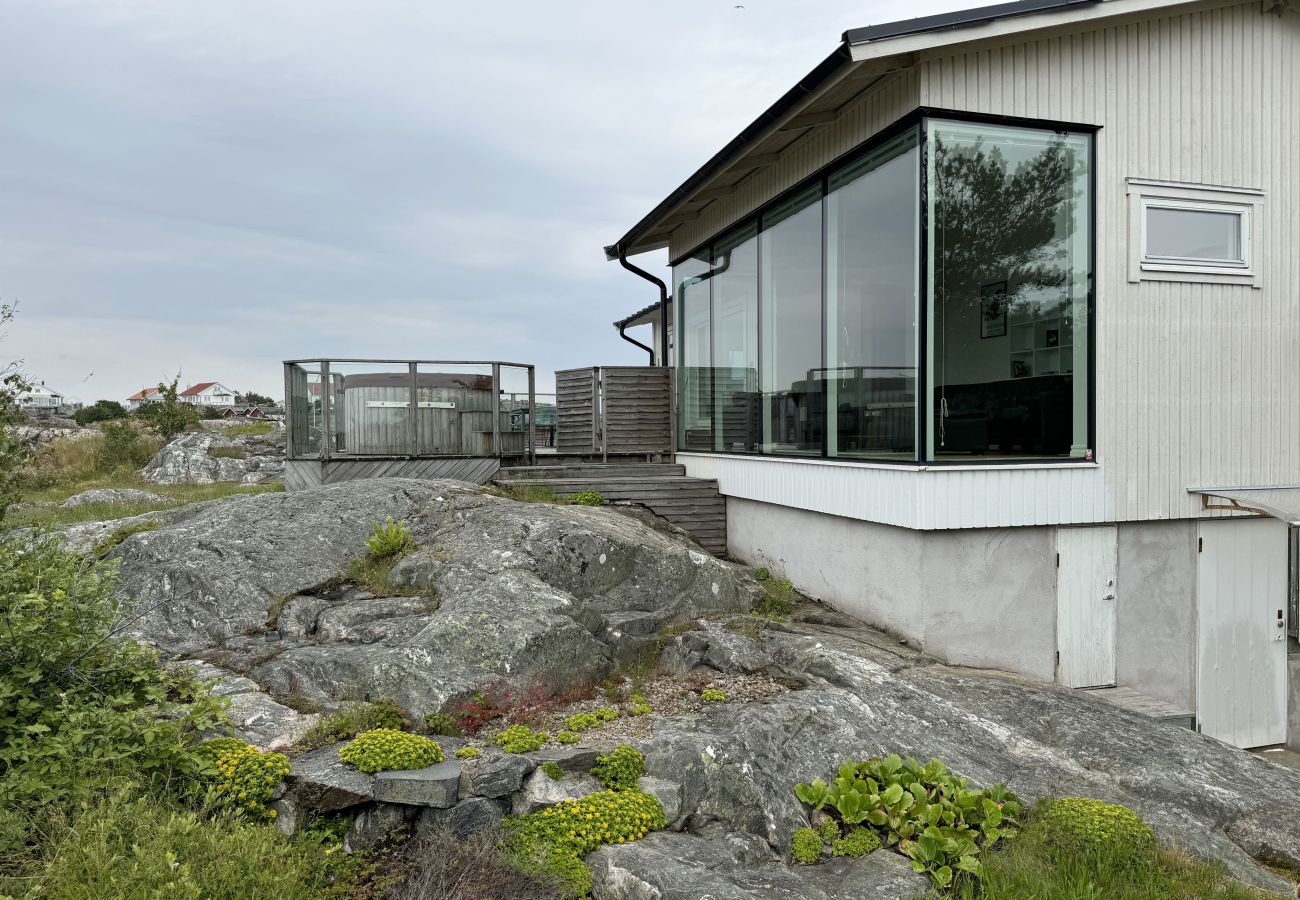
(692, 504)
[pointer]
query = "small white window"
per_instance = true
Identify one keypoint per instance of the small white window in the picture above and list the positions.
(1187, 232)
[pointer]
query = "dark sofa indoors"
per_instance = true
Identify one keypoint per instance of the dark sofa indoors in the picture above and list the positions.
(1025, 414)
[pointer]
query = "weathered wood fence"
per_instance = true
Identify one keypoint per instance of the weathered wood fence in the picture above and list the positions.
(614, 410)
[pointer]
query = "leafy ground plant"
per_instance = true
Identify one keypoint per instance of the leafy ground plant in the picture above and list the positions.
(521, 739)
(246, 778)
(390, 539)
(619, 769)
(109, 542)
(928, 814)
(587, 498)
(778, 596)
(386, 750)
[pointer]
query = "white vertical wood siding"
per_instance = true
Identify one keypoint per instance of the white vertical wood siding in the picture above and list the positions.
(928, 499)
(891, 98)
(1196, 384)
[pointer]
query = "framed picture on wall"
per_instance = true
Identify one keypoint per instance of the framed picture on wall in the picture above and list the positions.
(993, 309)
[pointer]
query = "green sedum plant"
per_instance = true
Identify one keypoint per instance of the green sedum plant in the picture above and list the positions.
(640, 706)
(806, 846)
(829, 830)
(607, 714)
(587, 498)
(1101, 827)
(581, 722)
(925, 812)
(246, 777)
(553, 769)
(467, 753)
(521, 739)
(351, 720)
(566, 737)
(386, 749)
(619, 769)
(388, 540)
(858, 842)
(556, 838)
(713, 695)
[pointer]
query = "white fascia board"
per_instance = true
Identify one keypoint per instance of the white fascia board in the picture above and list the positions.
(1004, 28)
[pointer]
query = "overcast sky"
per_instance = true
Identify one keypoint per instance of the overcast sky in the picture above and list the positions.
(212, 187)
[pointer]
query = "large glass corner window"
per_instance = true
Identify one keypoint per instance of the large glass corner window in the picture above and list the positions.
(925, 300)
(1009, 264)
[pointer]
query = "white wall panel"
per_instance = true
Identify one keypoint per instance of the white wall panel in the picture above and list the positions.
(933, 498)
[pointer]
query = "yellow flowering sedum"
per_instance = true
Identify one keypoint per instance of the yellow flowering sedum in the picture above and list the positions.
(1107, 827)
(245, 776)
(556, 838)
(387, 749)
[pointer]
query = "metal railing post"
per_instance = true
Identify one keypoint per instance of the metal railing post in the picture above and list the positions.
(496, 409)
(413, 414)
(532, 416)
(326, 410)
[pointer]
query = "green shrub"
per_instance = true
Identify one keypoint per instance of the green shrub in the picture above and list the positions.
(587, 498)
(806, 846)
(930, 815)
(1101, 827)
(80, 703)
(100, 411)
(607, 714)
(246, 777)
(858, 842)
(167, 413)
(553, 769)
(467, 753)
(443, 723)
(521, 739)
(106, 544)
(352, 719)
(391, 539)
(581, 721)
(713, 695)
(566, 737)
(619, 769)
(128, 846)
(385, 750)
(556, 838)
(121, 446)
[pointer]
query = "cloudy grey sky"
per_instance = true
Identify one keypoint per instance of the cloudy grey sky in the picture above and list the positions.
(214, 187)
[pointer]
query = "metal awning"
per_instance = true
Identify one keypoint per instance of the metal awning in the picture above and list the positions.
(1280, 501)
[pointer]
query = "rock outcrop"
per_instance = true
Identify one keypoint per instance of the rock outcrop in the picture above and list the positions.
(497, 591)
(189, 459)
(112, 495)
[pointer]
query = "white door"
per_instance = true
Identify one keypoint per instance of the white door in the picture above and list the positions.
(1085, 606)
(1241, 577)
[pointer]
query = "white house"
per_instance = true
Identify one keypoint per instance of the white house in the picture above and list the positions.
(140, 397)
(989, 331)
(208, 393)
(42, 400)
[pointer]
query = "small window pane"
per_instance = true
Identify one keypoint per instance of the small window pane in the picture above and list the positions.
(694, 376)
(1174, 233)
(734, 284)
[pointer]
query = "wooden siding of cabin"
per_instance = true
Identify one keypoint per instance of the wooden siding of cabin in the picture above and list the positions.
(1196, 384)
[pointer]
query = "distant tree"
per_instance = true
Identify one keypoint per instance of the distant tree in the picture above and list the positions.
(169, 415)
(13, 453)
(100, 411)
(252, 398)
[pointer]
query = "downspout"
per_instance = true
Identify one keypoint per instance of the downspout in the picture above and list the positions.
(632, 340)
(663, 307)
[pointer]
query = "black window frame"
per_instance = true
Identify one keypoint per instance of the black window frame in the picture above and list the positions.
(916, 119)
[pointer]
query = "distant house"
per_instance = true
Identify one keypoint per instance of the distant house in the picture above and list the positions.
(42, 400)
(141, 397)
(253, 412)
(208, 393)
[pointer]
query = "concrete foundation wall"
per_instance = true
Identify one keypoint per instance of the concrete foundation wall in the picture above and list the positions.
(1156, 636)
(979, 597)
(1293, 703)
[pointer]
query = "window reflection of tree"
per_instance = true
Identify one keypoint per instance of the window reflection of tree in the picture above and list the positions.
(997, 223)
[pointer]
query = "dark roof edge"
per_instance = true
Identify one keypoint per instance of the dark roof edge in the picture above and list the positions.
(960, 19)
(809, 83)
(636, 315)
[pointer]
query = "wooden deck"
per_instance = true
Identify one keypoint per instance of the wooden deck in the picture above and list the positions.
(301, 474)
(1129, 699)
(692, 504)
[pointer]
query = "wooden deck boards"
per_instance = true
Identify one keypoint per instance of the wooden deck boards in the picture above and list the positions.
(1151, 707)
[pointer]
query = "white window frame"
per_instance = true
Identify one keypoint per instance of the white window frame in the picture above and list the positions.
(1243, 202)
